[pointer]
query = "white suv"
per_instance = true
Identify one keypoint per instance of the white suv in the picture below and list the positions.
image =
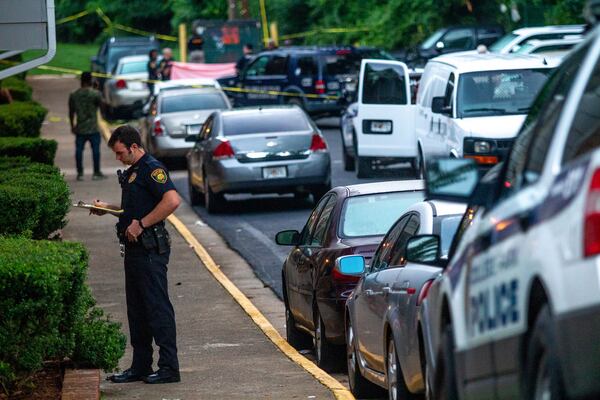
(516, 312)
(510, 43)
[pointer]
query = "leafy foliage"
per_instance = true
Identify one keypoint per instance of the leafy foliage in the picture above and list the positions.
(21, 119)
(36, 149)
(18, 88)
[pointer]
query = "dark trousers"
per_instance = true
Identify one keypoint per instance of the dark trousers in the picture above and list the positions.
(94, 140)
(149, 309)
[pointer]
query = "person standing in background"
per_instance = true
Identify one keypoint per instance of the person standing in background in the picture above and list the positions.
(153, 70)
(83, 116)
(166, 64)
(245, 59)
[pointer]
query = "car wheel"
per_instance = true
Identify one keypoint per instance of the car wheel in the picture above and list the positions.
(363, 167)
(296, 338)
(419, 165)
(359, 385)
(542, 369)
(397, 389)
(445, 388)
(325, 352)
(196, 197)
(213, 202)
(320, 191)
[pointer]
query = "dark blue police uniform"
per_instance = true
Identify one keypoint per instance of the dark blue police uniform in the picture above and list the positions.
(149, 310)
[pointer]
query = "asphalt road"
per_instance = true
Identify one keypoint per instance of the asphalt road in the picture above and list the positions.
(249, 223)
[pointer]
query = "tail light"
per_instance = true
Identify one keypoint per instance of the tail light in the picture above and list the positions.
(121, 84)
(424, 291)
(320, 86)
(158, 129)
(338, 277)
(591, 233)
(317, 144)
(223, 151)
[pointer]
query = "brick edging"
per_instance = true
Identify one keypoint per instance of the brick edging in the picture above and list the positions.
(81, 384)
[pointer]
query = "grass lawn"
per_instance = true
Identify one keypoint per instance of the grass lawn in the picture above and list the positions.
(68, 55)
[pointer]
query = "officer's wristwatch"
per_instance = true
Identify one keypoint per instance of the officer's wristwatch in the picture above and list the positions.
(140, 223)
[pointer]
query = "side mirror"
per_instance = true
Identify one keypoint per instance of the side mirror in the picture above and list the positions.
(439, 46)
(451, 179)
(350, 265)
(192, 138)
(424, 249)
(288, 238)
(438, 106)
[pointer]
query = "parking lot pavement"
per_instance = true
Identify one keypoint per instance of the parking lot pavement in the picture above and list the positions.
(222, 352)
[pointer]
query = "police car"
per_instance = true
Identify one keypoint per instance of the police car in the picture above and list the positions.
(516, 312)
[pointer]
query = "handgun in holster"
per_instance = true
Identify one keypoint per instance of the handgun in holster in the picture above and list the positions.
(156, 237)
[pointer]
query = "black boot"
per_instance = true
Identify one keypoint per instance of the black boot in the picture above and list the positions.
(163, 375)
(129, 375)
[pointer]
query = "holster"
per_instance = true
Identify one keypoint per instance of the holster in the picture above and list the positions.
(156, 237)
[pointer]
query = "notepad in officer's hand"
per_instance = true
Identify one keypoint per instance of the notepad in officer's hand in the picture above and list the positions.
(81, 204)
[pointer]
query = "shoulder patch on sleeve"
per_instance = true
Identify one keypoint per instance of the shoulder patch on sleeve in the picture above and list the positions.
(159, 175)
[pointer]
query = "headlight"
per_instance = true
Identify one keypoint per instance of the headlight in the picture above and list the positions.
(482, 147)
(374, 126)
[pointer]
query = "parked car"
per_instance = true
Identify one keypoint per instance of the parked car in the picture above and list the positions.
(347, 220)
(127, 90)
(549, 49)
(258, 150)
(516, 313)
(176, 114)
(511, 41)
(472, 105)
(114, 48)
(383, 335)
(320, 72)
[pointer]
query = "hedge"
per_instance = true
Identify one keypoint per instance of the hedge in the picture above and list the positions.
(18, 88)
(36, 149)
(35, 199)
(21, 119)
(46, 309)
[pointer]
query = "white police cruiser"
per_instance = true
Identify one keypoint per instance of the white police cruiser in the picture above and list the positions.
(516, 312)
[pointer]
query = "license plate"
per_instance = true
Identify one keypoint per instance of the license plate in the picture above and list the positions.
(274, 172)
(381, 126)
(136, 85)
(192, 129)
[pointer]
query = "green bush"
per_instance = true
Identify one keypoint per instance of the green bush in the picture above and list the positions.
(47, 311)
(36, 149)
(18, 88)
(35, 199)
(21, 119)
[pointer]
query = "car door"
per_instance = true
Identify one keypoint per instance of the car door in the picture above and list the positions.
(195, 155)
(457, 39)
(385, 114)
(252, 82)
(368, 317)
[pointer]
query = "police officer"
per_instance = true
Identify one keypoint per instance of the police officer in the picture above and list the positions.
(148, 197)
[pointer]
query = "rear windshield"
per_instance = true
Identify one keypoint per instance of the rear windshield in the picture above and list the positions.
(116, 53)
(374, 214)
(263, 122)
(342, 64)
(133, 67)
(190, 102)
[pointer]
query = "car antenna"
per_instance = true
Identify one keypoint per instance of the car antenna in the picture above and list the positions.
(545, 62)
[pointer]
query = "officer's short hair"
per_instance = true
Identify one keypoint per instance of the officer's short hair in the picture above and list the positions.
(125, 134)
(86, 78)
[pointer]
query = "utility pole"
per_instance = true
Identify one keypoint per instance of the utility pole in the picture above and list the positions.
(232, 10)
(245, 11)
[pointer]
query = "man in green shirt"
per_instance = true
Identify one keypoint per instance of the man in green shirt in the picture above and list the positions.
(83, 115)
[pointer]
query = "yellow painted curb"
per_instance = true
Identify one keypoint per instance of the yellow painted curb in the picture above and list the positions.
(259, 319)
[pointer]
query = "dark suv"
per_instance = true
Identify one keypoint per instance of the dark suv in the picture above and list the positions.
(116, 47)
(321, 71)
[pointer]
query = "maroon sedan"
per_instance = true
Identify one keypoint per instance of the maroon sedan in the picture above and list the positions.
(347, 220)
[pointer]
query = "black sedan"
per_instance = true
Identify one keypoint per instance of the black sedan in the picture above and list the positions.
(347, 220)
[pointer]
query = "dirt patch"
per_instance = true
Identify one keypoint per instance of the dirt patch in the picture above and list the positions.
(47, 385)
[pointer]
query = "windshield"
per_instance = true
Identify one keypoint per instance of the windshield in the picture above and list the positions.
(505, 92)
(116, 53)
(190, 102)
(133, 67)
(448, 227)
(265, 122)
(501, 43)
(374, 214)
(431, 40)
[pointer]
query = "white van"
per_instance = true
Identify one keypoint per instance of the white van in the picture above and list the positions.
(384, 123)
(473, 105)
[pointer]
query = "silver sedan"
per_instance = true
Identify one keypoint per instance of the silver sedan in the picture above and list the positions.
(176, 113)
(127, 90)
(258, 150)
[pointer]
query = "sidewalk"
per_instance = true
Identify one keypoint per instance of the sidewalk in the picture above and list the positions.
(222, 353)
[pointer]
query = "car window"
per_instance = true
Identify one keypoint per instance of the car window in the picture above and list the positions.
(384, 84)
(264, 122)
(343, 62)
(459, 39)
(502, 42)
(306, 67)
(277, 65)
(191, 102)
(525, 162)
(318, 237)
(381, 258)
(258, 67)
(305, 235)
(584, 135)
(133, 67)
(374, 214)
(433, 39)
(398, 254)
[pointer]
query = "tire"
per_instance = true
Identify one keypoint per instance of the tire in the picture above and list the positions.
(363, 167)
(212, 202)
(359, 385)
(325, 352)
(196, 197)
(419, 165)
(348, 160)
(445, 388)
(542, 378)
(320, 191)
(397, 389)
(295, 337)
